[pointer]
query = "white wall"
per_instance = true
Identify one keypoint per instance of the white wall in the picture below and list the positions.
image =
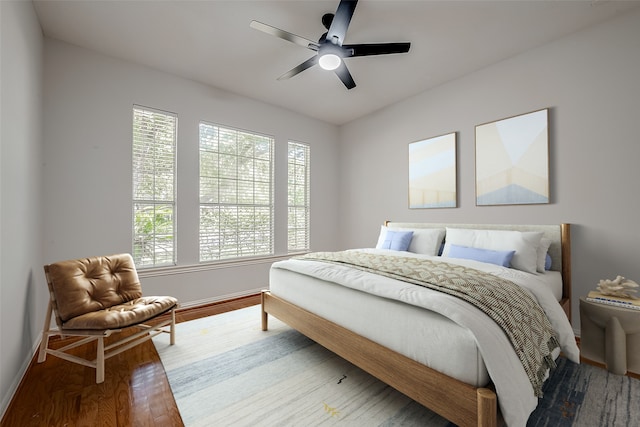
(88, 130)
(589, 81)
(22, 294)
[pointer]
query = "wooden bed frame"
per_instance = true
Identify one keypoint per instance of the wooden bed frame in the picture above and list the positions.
(460, 403)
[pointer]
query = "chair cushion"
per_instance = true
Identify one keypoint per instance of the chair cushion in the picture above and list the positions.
(123, 315)
(88, 285)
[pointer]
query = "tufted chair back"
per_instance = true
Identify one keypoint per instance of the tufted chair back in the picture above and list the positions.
(87, 285)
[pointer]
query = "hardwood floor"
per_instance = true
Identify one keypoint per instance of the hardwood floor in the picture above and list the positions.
(135, 391)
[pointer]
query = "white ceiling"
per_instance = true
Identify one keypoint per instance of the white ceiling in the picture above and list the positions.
(211, 42)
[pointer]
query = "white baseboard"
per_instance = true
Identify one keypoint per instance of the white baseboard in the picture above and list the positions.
(6, 399)
(206, 301)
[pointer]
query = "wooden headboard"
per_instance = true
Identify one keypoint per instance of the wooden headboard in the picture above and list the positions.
(560, 249)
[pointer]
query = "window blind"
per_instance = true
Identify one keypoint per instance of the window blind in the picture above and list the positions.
(298, 196)
(154, 178)
(236, 193)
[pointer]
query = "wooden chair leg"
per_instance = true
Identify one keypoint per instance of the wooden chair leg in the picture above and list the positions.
(100, 361)
(265, 315)
(172, 329)
(44, 342)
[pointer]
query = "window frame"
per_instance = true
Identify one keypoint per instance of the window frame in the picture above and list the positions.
(154, 203)
(293, 227)
(227, 184)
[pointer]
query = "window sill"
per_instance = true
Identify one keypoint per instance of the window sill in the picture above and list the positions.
(209, 266)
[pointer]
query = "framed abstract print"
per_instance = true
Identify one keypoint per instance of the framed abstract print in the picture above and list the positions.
(432, 172)
(512, 160)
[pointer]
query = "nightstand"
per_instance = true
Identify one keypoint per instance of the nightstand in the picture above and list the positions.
(610, 335)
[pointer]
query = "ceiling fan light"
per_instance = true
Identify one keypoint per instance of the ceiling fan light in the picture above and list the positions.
(329, 61)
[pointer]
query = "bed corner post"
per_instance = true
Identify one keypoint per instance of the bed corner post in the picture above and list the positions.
(487, 408)
(265, 315)
(565, 231)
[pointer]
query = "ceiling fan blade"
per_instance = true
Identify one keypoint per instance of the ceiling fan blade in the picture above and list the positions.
(301, 41)
(376, 48)
(300, 68)
(343, 73)
(338, 29)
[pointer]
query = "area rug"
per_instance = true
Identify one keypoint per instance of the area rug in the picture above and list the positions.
(225, 371)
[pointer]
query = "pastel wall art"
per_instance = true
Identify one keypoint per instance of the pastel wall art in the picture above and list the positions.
(512, 160)
(432, 172)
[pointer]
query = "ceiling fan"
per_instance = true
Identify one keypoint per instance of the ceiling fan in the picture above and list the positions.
(330, 48)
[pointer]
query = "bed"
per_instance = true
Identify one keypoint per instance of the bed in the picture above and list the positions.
(431, 346)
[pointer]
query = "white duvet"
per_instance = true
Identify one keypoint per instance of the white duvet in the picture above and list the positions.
(515, 393)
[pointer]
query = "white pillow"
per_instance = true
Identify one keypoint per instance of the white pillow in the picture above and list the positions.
(542, 254)
(524, 243)
(425, 241)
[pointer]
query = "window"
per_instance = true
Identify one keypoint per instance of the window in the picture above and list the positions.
(298, 196)
(236, 193)
(154, 178)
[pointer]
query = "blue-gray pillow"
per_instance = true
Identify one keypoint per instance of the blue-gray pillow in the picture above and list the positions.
(397, 240)
(502, 258)
(547, 263)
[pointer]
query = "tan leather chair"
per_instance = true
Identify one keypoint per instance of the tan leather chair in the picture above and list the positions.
(94, 297)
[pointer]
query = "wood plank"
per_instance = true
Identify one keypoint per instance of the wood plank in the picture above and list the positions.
(565, 241)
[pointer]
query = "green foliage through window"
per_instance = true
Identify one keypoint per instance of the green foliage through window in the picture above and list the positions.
(236, 193)
(154, 161)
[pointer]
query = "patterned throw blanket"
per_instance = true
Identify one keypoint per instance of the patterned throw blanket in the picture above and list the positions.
(511, 307)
